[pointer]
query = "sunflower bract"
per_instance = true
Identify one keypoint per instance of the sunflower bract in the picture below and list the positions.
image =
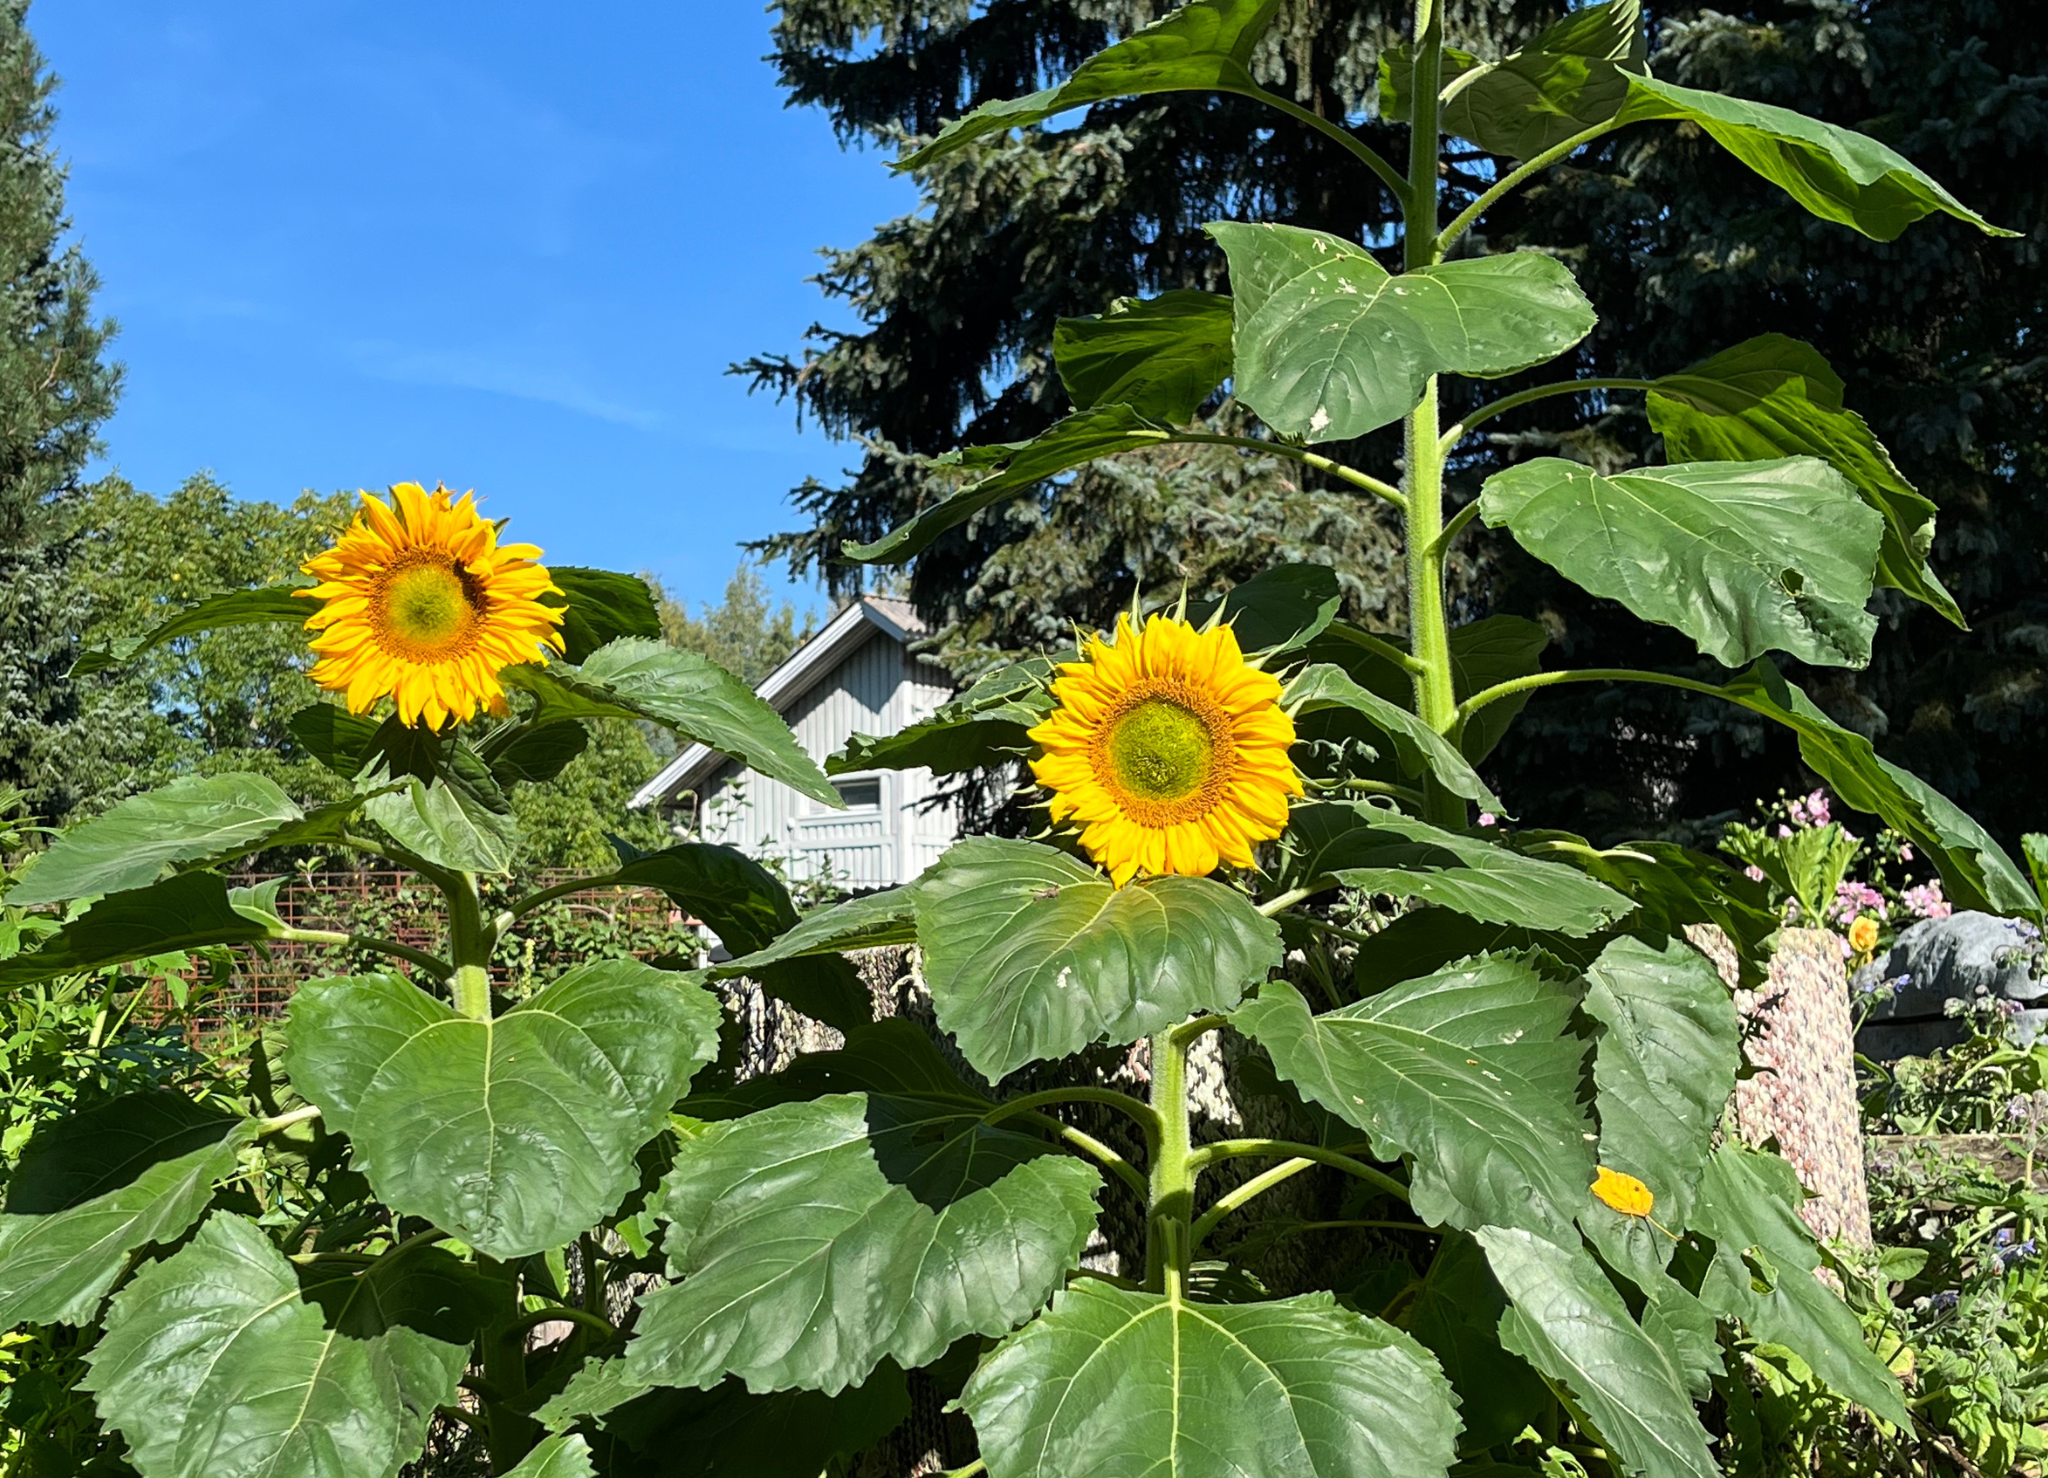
(1169, 749)
(422, 604)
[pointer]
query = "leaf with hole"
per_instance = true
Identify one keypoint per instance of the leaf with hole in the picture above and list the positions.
(1330, 346)
(1743, 557)
(1472, 1073)
(1776, 397)
(1032, 955)
(92, 1189)
(215, 1363)
(514, 1134)
(811, 1241)
(1112, 1383)
(1203, 47)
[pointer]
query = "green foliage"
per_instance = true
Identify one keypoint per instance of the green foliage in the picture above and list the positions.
(433, 1171)
(741, 633)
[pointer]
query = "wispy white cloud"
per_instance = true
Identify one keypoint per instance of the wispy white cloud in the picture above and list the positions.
(496, 374)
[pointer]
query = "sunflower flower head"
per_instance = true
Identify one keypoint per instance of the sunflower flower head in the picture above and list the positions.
(1169, 749)
(421, 603)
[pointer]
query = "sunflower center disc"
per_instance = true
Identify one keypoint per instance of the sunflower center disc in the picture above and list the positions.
(1160, 751)
(428, 610)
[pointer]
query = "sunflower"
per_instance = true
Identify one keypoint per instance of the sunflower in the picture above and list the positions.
(1169, 749)
(423, 604)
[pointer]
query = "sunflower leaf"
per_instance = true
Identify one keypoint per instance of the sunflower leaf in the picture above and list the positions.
(198, 818)
(985, 726)
(1112, 1383)
(515, 1133)
(188, 911)
(600, 606)
(1379, 850)
(272, 605)
(1160, 356)
(1473, 1072)
(1418, 748)
(1032, 955)
(811, 1241)
(1278, 609)
(691, 696)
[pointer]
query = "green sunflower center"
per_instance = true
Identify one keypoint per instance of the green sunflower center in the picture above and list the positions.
(1161, 751)
(428, 610)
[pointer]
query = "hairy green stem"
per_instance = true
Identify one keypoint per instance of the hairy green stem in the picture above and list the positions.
(1536, 680)
(1521, 398)
(533, 901)
(1463, 221)
(1280, 903)
(1363, 152)
(440, 969)
(1257, 1186)
(508, 1434)
(1232, 1149)
(1370, 787)
(1090, 1146)
(1170, 1203)
(568, 1313)
(1146, 1116)
(1377, 645)
(282, 1122)
(1362, 480)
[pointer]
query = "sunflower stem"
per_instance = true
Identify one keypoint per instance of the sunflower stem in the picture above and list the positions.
(1168, 1233)
(469, 944)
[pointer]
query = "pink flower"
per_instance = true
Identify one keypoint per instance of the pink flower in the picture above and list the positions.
(1852, 899)
(1926, 901)
(1487, 818)
(1810, 810)
(1784, 830)
(1906, 853)
(1754, 874)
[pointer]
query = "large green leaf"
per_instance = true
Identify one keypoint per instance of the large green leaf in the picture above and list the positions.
(1379, 850)
(748, 908)
(866, 922)
(215, 1364)
(1569, 1322)
(1570, 78)
(537, 752)
(1160, 356)
(557, 1457)
(1455, 1314)
(94, 1188)
(340, 740)
(665, 1433)
(1032, 955)
(1418, 749)
(1743, 557)
(1837, 174)
(1471, 1072)
(1019, 466)
(1776, 397)
(1664, 1067)
(451, 823)
(985, 726)
(814, 1240)
(1764, 1259)
(1329, 346)
(691, 696)
(185, 912)
(514, 1134)
(1975, 870)
(1279, 609)
(1113, 1383)
(601, 606)
(196, 818)
(272, 605)
(1203, 47)
(1423, 940)
(893, 1057)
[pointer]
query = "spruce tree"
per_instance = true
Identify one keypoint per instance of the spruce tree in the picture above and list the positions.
(1936, 336)
(55, 391)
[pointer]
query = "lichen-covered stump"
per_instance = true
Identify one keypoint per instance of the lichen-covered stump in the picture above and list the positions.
(1797, 1035)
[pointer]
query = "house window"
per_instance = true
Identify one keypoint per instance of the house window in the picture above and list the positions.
(860, 795)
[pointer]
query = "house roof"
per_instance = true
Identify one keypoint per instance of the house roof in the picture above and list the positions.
(798, 674)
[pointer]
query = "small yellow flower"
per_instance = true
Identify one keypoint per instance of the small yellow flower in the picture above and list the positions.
(1169, 749)
(1624, 1193)
(1863, 934)
(421, 604)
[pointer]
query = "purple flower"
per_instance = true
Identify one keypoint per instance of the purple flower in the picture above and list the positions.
(1947, 1299)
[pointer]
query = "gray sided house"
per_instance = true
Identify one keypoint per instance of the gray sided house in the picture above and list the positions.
(856, 676)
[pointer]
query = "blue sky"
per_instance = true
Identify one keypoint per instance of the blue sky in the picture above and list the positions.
(509, 246)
